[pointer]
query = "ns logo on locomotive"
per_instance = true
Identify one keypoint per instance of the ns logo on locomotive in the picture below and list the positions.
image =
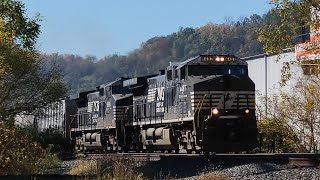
(206, 103)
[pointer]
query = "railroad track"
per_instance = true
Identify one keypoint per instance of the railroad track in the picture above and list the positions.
(292, 159)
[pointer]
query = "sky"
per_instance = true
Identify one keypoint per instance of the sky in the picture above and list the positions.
(106, 27)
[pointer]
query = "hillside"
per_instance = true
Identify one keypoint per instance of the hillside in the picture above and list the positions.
(239, 38)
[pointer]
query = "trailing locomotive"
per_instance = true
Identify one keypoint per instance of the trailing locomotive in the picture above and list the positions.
(206, 103)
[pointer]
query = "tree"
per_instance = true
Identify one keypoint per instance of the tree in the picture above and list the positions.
(25, 84)
(298, 110)
(276, 137)
(20, 154)
(287, 18)
(294, 117)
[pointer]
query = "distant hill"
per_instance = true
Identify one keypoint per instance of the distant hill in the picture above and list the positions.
(83, 73)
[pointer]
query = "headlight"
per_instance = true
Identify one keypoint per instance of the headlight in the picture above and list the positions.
(247, 111)
(214, 111)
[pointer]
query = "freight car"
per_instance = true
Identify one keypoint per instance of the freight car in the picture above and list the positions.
(206, 103)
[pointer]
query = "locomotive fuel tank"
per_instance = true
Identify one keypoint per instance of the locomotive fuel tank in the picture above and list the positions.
(161, 138)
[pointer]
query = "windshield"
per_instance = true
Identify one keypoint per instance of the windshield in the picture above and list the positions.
(199, 70)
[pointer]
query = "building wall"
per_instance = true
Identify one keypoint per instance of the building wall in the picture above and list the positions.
(265, 71)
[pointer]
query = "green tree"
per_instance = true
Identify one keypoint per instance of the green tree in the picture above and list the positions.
(25, 84)
(284, 25)
(276, 137)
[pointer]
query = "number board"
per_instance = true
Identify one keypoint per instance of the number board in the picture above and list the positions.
(211, 58)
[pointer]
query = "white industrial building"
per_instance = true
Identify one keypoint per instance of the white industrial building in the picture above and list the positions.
(266, 71)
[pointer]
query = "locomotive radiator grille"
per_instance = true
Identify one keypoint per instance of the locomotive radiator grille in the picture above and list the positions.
(151, 94)
(223, 99)
(121, 113)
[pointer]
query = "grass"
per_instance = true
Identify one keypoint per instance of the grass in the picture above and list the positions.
(121, 169)
(213, 175)
(110, 169)
(124, 169)
(49, 164)
(84, 168)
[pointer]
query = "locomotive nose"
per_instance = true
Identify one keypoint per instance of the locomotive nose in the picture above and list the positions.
(227, 102)
(224, 95)
(224, 83)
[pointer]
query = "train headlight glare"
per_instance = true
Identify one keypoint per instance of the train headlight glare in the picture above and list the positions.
(247, 111)
(215, 111)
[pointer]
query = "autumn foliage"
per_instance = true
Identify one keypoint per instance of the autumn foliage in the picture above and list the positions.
(292, 120)
(24, 84)
(19, 154)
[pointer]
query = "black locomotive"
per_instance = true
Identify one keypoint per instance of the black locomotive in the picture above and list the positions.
(206, 103)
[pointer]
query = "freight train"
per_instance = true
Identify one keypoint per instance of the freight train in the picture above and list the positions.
(203, 104)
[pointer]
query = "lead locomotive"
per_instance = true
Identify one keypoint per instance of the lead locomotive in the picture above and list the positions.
(206, 103)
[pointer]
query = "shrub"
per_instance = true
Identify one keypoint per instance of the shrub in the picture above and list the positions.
(19, 154)
(84, 168)
(122, 169)
(108, 169)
